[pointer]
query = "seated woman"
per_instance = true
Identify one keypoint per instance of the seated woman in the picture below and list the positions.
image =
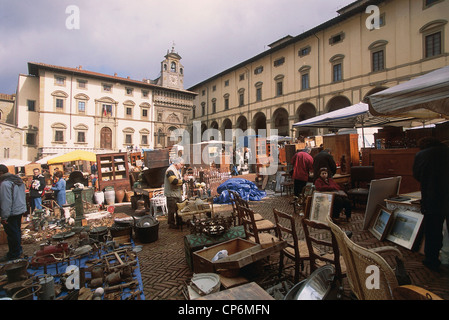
(341, 200)
(59, 189)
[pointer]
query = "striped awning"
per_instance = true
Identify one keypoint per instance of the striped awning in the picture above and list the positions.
(425, 97)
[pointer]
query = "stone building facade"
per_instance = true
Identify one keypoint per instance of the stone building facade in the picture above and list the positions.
(368, 47)
(61, 109)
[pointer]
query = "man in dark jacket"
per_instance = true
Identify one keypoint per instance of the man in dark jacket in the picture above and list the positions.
(36, 188)
(431, 169)
(324, 159)
(12, 207)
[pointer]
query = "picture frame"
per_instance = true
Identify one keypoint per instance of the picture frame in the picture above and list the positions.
(381, 223)
(405, 228)
(321, 206)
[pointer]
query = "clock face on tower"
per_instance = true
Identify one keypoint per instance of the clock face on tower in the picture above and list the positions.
(173, 80)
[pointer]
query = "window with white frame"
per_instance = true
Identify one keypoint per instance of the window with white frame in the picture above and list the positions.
(144, 137)
(81, 134)
(59, 132)
(59, 80)
(128, 136)
(59, 99)
(81, 83)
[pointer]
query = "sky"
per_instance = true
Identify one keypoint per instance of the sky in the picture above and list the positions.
(132, 37)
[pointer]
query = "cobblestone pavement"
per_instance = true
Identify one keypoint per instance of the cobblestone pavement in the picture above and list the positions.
(165, 271)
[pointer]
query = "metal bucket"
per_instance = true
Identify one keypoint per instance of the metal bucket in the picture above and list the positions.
(17, 271)
(147, 229)
(99, 234)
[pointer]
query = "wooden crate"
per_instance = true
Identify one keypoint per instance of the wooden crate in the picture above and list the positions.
(156, 158)
(239, 255)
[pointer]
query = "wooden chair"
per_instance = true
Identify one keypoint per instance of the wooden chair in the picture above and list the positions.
(361, 177)
(296, 249)
(265, 239)
(358, 260)
(237, 200)
(312, 232)
(287, 184)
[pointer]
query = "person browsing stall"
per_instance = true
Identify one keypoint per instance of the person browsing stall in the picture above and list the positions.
(302, 163)
(431, 170)
(37, 189)
(12, 207)
(341, 200)
(173, 189)
(59, 189)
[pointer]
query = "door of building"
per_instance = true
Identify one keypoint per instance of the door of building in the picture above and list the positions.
(106, 138)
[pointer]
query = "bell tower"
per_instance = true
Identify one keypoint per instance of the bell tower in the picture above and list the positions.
(172, 71)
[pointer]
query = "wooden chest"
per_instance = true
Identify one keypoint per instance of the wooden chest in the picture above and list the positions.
(196, 242)
(238, 252)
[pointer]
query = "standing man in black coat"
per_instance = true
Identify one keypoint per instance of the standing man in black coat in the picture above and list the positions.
(431, 169)
(36, 189)
(324, 159)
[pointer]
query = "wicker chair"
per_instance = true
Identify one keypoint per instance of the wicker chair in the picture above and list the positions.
(359, 261)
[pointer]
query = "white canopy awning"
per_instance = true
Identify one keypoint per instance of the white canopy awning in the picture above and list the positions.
(45, 159)
(425, 97)
(355, 116)
(14, 162)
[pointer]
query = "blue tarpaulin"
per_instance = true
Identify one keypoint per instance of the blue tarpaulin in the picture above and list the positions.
(245, 188)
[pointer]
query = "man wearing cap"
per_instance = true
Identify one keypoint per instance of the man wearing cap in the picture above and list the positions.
(12, 207)
(173, 189)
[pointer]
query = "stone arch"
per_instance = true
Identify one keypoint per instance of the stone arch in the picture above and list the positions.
(242, 123)
(259, 122)
(337, 102)
(226, 125)
(280, 121)
(305, 111)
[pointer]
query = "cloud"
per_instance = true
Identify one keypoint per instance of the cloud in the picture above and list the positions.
(132, 37)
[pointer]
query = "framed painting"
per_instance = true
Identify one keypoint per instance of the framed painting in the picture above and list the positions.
(405, 228)
(321, 206)
(381, 222)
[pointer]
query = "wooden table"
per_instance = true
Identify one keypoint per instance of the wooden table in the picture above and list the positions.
(342, 178)
(249, 291)
(147, 194)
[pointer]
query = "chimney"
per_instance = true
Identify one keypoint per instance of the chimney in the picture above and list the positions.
(80, 67)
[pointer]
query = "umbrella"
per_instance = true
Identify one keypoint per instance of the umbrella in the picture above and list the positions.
(74, 156)
(425, 97)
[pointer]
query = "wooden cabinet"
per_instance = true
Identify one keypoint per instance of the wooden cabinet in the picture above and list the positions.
(344, 144)
(113, 171)
(393, 163)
